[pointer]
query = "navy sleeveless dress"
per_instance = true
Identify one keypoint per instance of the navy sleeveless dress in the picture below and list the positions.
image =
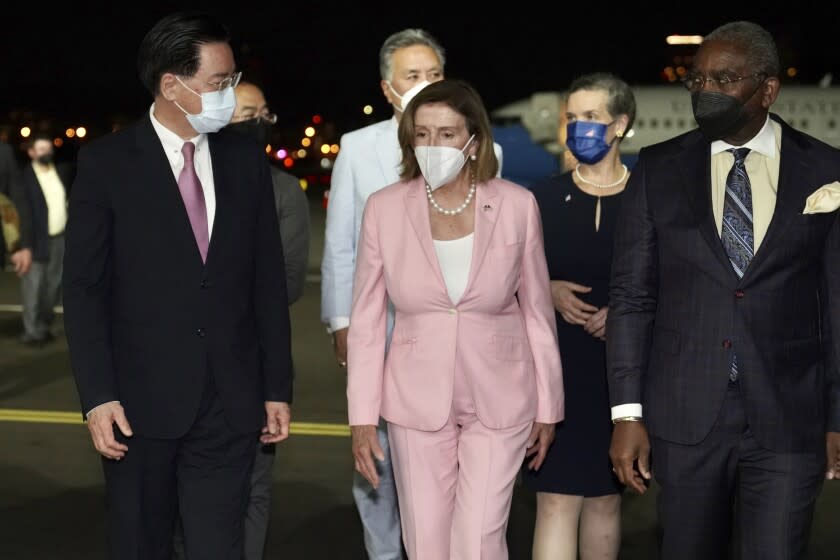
(578, 461)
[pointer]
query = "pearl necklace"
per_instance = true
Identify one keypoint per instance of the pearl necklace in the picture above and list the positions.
(607, 186)
(455, 211)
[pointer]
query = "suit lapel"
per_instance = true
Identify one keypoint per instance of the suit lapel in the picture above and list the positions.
(487, 207)
(694, 164)
(222, 184)
(417, 209)
(794, 170)
(388, 151)
(159, 178)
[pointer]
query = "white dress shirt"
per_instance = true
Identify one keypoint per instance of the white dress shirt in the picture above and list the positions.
(172, 144)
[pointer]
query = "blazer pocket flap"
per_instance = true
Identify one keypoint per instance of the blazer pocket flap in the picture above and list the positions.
(511, 348)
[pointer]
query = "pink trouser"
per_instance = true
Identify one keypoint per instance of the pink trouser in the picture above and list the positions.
(455, 485)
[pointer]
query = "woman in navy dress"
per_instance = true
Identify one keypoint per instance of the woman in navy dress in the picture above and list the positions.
(578, 495)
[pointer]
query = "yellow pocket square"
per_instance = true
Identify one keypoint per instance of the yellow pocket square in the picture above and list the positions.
(824, 199)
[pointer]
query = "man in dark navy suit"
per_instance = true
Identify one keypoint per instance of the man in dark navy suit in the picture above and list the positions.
(175, 303)
(724, 323)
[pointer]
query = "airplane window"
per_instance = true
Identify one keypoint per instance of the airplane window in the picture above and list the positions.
(654, 123)
(804, 123)
(832, 123)
(640, 123)
(681, 123)
(667, 123)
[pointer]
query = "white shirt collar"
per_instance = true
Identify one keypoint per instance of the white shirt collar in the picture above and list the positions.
(171, 141)
(764, 142)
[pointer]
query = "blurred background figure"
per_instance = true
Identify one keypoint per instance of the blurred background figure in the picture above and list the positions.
(369, 159)
(578, 496)
(472, 381)
(15, 217)
(45, 184)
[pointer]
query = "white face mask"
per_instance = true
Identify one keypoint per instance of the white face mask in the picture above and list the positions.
(440, 164)
(408, 95)
(217, 108)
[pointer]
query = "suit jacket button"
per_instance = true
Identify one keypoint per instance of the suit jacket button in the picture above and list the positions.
(200, 332)
(727, 343)
(204, 284)
(739, 294)
(453, 311)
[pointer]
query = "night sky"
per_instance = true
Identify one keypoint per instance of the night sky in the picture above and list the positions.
(77, 63)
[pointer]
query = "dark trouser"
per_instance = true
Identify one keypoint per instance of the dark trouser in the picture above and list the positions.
(770, 495)
(257, 514)
(41, 291)
(205, 475)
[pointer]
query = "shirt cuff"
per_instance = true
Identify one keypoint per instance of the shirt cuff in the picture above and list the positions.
(629, 409)
(338, 323)
(87, 414)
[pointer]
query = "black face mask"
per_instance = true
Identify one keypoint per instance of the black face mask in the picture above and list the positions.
(45, 159)
(256, 128)
(718, 115)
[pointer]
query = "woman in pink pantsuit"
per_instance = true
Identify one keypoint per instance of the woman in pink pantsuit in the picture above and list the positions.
(472, 381)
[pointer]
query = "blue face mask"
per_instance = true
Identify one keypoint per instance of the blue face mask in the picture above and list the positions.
(588, 140)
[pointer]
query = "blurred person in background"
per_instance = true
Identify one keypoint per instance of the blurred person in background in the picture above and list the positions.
(46, 184)
(19, 253)
(578, 495)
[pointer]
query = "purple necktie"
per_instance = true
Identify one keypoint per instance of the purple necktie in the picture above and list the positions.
(193, 196)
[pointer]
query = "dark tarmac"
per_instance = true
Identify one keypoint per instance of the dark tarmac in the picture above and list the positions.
(51, 483)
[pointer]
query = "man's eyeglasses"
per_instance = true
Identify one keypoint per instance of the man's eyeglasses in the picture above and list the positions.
(725, 82)
(230, 81)
(264, 116)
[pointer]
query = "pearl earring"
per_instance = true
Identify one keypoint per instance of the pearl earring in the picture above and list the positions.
(619, 133)
(472, 157)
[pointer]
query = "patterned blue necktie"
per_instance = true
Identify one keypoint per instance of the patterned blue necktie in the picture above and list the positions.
(737, 230)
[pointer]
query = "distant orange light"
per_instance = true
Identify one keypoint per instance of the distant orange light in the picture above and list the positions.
(309, 131)
(25, 131)
(791, 72)
(288, 162)
(305, 142)
(81, 132)
(58, 142)
(684, 39)
(325, 149)
(316, 119)
(70, 133)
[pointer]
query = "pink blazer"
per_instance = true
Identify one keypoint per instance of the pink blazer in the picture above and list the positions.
(501, 335)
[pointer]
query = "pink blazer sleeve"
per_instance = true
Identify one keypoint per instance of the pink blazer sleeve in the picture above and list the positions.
(538, 310)
(367, 334)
